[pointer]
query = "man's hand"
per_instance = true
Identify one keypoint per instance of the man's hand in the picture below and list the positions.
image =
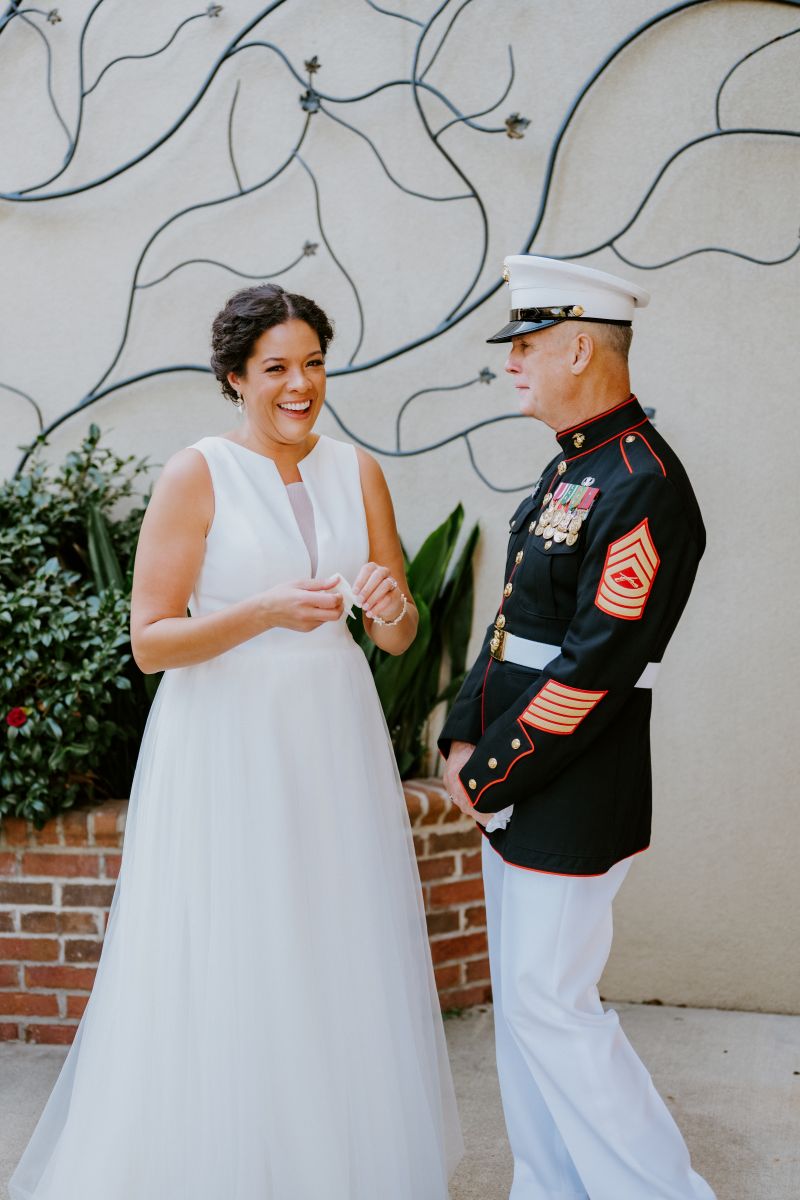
(461, 753)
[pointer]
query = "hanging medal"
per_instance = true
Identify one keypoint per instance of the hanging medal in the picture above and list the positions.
(564, 512)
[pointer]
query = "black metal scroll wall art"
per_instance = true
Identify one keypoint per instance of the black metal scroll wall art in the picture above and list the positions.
(316, 104)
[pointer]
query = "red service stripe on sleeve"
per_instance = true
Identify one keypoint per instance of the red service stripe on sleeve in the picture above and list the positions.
(572, 707)
(560, 709)
(627, 579)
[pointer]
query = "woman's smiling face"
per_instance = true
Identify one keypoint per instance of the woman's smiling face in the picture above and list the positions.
(283, 385)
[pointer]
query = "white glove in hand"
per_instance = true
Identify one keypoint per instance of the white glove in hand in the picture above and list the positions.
(500, 819)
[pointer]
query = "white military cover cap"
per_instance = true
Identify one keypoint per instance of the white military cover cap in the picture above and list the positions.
(546, 291)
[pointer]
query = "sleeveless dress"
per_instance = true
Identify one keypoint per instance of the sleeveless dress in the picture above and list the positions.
(264, 1023)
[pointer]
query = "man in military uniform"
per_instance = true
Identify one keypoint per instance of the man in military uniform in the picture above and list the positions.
(547, 744)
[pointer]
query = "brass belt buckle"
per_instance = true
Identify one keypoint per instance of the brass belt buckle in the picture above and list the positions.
(497, 646)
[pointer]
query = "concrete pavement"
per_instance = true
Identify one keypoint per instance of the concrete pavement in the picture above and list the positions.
(732, 1081)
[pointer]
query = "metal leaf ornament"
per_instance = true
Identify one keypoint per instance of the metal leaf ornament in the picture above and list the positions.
(516, 125)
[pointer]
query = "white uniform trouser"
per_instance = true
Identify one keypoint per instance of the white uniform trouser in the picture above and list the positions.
(583, 1117)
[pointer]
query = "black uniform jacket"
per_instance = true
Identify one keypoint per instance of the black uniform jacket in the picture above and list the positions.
(569, 744)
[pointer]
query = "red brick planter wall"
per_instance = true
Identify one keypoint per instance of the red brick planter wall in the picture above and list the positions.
(448, 846)
(56, 885)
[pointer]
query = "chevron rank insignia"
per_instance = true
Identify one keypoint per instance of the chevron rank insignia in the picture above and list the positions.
(560, 709)
(630, 568)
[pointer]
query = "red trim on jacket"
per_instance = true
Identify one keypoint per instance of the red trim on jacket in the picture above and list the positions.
(513, 763)
(483, 695)
(599, 446)
(558, 874)
(491, 660)
(649, 447)
(582, 424)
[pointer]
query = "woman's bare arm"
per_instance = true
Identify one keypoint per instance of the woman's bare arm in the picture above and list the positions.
(168, 560)
(386, 564)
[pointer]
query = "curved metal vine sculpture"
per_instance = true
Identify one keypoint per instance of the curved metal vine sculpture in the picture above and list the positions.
(314, 103)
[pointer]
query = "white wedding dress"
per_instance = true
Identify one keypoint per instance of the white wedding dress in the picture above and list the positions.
(264, 1024)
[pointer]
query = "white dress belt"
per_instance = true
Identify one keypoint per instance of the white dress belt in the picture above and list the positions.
(526, 653)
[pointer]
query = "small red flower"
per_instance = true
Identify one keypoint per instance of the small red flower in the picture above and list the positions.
(16, 717)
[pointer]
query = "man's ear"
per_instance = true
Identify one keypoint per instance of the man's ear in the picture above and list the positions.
(582, 352)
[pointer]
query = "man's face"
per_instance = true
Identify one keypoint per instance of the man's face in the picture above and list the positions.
(539, 365)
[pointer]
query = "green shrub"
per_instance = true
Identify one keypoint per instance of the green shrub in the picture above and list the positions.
(73, 703)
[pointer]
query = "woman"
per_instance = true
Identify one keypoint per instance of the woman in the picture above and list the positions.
(264, 1023)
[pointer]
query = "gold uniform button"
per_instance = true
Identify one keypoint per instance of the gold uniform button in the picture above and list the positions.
(492, 763)
(500, 621)
(519, 558)
(630, 439)
(473, 783)
(507, 590)
(516, 743)
(513, 523)
(562, 466)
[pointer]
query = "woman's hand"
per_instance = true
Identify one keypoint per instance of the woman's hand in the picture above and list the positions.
(302, 606)
(377, 591)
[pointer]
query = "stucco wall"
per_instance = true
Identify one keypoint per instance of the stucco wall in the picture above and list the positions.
(708, 913)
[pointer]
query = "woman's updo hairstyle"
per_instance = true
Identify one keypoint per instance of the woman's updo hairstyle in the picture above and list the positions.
(250, 312)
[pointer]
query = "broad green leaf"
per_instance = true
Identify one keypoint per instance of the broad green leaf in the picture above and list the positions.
(396, 672)
(457, 615)
(429, 565)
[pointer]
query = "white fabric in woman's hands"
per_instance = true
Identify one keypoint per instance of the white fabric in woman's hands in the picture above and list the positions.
(348, 595)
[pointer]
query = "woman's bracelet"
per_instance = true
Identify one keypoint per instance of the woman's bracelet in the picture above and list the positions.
(398, 618)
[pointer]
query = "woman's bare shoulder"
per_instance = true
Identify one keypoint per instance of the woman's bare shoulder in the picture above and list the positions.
(372, 476)
(186, 470)
(184, 486)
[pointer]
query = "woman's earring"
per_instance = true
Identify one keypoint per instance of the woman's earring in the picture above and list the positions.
(238, 402)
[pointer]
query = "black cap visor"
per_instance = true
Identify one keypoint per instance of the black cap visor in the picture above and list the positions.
(517, 328)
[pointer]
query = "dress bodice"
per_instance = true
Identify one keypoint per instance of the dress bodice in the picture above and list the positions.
(254, 542)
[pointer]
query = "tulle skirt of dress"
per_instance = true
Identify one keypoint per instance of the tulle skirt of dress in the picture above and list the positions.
(264, 1023)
